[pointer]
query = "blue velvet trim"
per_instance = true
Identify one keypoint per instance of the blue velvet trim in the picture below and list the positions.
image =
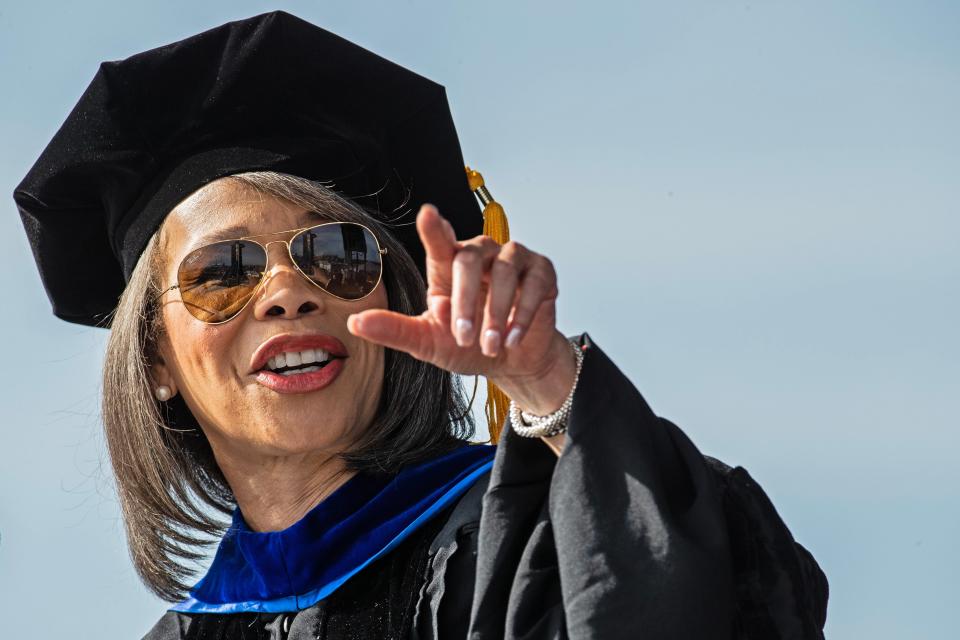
(292, 569)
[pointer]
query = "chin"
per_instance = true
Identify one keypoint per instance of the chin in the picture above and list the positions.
(299, 436)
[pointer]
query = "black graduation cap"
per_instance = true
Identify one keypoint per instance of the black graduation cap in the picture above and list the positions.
(272, 92)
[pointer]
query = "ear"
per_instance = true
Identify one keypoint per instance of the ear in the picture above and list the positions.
(161, 376)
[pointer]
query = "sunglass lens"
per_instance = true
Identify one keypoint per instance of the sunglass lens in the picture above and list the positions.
(217, 280)
(342, 258)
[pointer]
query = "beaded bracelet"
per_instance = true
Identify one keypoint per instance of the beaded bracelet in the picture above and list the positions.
(531, 426)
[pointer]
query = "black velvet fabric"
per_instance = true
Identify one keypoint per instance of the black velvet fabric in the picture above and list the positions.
(630, 533)
(272, 92)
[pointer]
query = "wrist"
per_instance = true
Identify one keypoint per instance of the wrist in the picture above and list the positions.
(544, 390)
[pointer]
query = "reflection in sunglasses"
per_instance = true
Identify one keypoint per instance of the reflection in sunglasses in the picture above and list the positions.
(217, 280)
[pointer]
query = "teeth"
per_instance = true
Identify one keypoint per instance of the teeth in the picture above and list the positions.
(304, 370)
(297, 358)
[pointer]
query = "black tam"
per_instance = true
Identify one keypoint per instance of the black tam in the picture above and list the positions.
(270, 93)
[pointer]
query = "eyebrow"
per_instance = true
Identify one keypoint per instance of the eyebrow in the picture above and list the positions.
(228, 233)
(235, 232)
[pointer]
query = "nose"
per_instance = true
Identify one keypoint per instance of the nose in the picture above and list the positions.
(285, 292)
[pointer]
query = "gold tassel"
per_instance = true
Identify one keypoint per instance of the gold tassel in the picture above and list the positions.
(494, 225)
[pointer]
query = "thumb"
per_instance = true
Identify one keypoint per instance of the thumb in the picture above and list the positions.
(393, 330)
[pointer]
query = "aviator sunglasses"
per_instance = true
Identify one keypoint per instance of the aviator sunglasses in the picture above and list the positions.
(217, 280)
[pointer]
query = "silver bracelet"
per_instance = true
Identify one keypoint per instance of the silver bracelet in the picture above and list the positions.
(531, 426)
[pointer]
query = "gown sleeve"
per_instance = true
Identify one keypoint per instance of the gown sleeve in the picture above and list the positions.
(626, 535)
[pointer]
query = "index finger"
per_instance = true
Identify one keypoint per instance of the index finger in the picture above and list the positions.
(439, 241)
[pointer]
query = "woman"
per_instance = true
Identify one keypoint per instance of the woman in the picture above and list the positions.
(276, 354)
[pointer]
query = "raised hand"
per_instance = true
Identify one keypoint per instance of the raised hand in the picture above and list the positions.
(491, 310)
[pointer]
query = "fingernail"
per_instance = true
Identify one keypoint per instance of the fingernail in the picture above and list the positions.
(513, 338)
(464, 329)
(353, 323)
(491, 342)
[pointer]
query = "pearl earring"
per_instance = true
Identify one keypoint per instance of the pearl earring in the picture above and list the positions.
(163, 393)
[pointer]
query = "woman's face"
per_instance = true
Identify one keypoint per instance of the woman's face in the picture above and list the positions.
(218, 368)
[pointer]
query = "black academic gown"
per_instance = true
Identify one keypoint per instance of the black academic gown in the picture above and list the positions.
(630, 533)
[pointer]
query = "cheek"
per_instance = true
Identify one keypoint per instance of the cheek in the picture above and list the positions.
(368, 390)
(366, 382)
(374, 381)
(200, 353)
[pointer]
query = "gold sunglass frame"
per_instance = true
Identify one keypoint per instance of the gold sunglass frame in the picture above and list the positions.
(381, 251)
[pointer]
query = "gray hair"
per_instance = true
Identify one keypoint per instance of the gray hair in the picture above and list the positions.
(172, 494)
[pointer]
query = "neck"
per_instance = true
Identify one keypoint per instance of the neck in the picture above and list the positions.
(274, 492)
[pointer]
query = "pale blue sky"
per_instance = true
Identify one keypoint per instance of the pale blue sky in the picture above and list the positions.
(752, 206)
